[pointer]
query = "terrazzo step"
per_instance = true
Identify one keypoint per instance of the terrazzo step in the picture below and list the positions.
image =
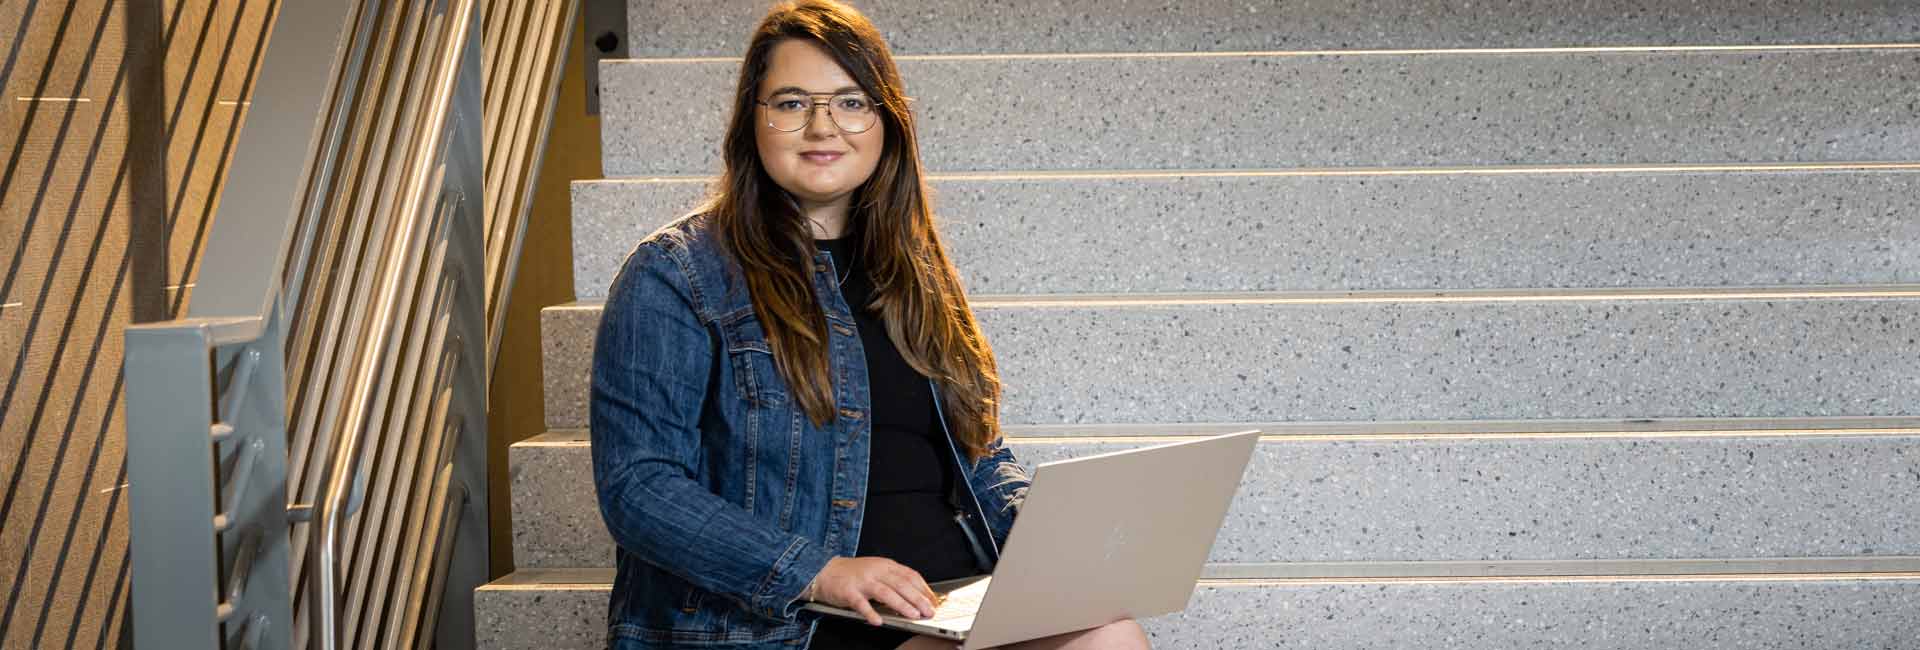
(1423, 493)
(566, 609)
(939, 26)
(1160, 111)
(1371, 356)
(1474, 228)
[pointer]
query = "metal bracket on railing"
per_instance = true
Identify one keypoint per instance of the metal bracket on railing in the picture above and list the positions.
(237, 583)
(236, 393)
(237, 487)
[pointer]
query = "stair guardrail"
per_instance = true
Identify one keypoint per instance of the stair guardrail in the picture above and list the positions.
(208, 387)
(526, 58)
(307, 447)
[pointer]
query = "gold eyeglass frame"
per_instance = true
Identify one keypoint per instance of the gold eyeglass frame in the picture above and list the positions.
(816, 102)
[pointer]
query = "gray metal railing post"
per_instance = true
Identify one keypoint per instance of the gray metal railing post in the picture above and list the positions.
(170, 475)
(180, 544)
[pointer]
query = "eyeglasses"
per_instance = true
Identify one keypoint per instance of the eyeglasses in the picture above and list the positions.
(852, 112)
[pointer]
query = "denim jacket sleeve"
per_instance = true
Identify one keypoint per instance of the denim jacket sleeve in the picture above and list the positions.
(1001, 483)
(652, 361)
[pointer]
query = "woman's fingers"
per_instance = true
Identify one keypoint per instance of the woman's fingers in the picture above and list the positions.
(866, 611)
(889, 583)
(896, 600)
(925, 590)
(917, 593)
(909, 583)
(900, 585)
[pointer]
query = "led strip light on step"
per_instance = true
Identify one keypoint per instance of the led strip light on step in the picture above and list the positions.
(1445, 170)
(601, 579)
(1608, 294)
(1536, 435)
(1060, 434)
(1435, 428)
(1601, 49)
(1563, 570)
(1783, 577)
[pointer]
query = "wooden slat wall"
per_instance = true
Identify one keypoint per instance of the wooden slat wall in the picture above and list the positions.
(116, 125)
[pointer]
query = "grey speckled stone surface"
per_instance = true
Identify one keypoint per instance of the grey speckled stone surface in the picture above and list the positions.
(609, 217)
(1474, 615)
(556, 519)
(1444, 499)
(1457, 361)
(1303, 233)
(929, 26)
(1603, 615)
(1332, 110)
(1412, 361)
(554, 610)
(566, 357)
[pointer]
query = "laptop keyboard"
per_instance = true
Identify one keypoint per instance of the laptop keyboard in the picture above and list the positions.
(954, 605)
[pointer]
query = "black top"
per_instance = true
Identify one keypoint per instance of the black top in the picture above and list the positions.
(909, 516)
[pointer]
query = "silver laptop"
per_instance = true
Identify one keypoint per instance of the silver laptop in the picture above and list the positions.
(1099, 539)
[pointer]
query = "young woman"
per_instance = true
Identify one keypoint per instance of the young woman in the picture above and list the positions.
(791, 399)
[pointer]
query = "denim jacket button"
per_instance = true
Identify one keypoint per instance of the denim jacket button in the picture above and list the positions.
(850, 414)
(820, 268)
(843, 330)
(845, 503)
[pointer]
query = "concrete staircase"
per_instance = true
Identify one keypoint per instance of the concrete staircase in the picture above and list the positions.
(1554, 347)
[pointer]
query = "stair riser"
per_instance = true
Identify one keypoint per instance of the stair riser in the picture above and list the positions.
(1605, 615)
(1541, 498)
(1446, 361)
(1457, 231)
(1413, 361)
(1331, 110)
(662, 29)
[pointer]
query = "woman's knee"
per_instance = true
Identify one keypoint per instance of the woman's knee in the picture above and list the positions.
(1118, 635)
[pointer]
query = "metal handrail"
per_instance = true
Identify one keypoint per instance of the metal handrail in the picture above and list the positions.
(330, 508)
(335, 215)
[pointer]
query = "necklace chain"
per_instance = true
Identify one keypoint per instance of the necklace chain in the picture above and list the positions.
(842, 280)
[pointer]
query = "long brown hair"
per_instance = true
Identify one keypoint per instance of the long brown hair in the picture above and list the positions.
(916, 287)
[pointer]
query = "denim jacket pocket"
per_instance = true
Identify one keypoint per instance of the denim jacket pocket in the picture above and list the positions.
(754, 373)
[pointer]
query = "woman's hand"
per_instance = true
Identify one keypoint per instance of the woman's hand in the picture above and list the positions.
(850, 582)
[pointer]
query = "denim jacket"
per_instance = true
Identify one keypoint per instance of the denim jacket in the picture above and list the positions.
(723, 498)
